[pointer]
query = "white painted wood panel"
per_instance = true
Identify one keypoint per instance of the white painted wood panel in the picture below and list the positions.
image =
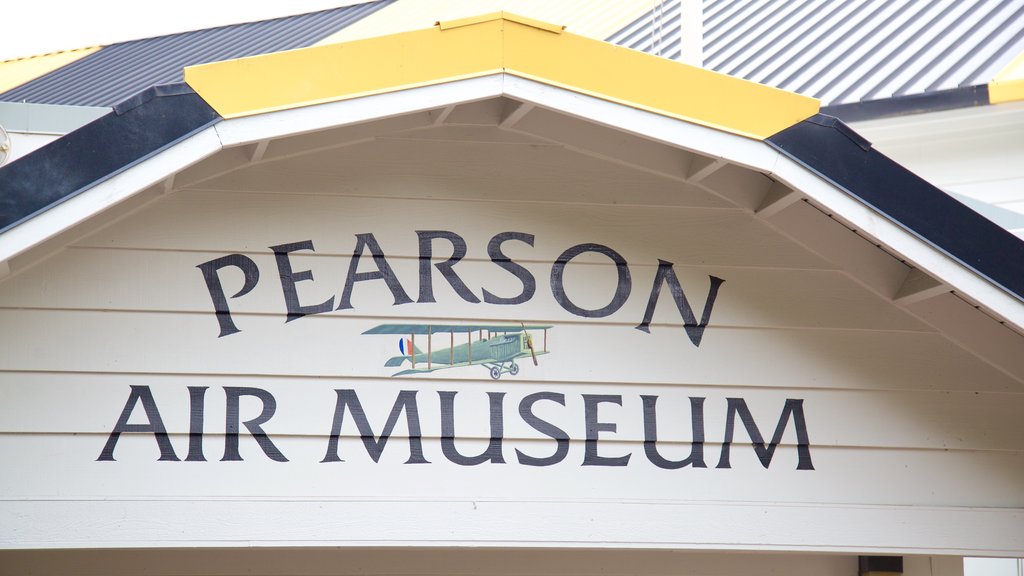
(51, 403)
(136, 474)
(913, 437)
(442, 170)
(581, 351)
(643, 525)
(231, 222)
(110, 279)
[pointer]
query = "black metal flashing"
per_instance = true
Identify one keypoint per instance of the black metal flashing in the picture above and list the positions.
(139, 127)
(875, 564)
(963, 97)
(823, 145)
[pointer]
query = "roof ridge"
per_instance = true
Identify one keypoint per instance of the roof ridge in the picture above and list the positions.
(54, 53)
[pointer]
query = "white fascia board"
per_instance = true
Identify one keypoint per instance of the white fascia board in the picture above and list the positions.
(896, 238)
(739, 526)
(758, 155)
(703, 140)
(107, 193)
(271, 125)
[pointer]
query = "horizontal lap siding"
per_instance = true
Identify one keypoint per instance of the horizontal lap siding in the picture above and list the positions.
(838, 418)
(884, 395)
(333, 345)
(172, 282)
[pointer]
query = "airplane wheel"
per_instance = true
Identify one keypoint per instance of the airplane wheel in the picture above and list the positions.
(495, 372)
(513, 369)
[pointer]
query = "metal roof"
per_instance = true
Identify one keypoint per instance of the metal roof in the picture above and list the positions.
(842, 52)
(658, 32)
(120, 70)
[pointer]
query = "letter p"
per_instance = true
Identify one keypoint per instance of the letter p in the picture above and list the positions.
(220, 302)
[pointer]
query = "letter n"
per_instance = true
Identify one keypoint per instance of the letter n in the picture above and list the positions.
(666, 274)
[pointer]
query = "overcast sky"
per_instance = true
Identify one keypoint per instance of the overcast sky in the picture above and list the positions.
(31, 27)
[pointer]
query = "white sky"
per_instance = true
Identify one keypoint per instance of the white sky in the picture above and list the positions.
(31, 27)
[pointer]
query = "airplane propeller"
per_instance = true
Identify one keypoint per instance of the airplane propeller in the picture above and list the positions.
(529, 344)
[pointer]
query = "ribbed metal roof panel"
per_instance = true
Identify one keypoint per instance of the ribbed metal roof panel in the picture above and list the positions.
(657, 32)
(849, 51)
(121, 70)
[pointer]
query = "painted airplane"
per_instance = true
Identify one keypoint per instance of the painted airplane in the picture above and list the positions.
(497, 352)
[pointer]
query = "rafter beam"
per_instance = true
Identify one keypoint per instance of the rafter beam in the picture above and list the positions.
(168, 184)
(259, 151)
(439, 116)
(918, 286)
(778, 198)
(514, 113)
(835, 242)
(702, 166)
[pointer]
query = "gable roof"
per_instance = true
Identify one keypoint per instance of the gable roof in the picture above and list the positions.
(487, 44)
(862, 60)
(118, 71)
(240, 103)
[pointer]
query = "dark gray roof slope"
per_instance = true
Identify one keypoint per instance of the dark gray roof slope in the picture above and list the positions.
(851, 51)
(118, 71)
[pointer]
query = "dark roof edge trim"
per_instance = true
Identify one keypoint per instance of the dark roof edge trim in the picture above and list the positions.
(963, 97)
(140, 127)
(822, 145)
(136, 100)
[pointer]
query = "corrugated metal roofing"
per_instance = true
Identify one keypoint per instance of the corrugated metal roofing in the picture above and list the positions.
(120, 70)
(658, 32)
(851, 51)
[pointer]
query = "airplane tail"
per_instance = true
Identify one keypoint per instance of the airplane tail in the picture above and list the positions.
(408, 352)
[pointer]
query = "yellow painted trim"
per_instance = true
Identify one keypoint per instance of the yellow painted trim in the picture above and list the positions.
(319, 74)
(1008, 84)
(492, 44)
(14, 73)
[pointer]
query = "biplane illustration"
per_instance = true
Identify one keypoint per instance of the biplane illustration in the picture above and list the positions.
(496, 348)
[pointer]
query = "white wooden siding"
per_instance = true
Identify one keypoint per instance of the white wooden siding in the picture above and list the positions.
(905, 424)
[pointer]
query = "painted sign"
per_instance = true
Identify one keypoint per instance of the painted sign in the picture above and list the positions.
(498, 352)
(367, 244)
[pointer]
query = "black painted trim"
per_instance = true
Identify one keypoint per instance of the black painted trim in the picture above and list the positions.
(963, 97)
(831, 149)
(137, 128)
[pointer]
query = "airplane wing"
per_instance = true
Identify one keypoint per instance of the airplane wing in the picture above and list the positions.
(402, 329)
